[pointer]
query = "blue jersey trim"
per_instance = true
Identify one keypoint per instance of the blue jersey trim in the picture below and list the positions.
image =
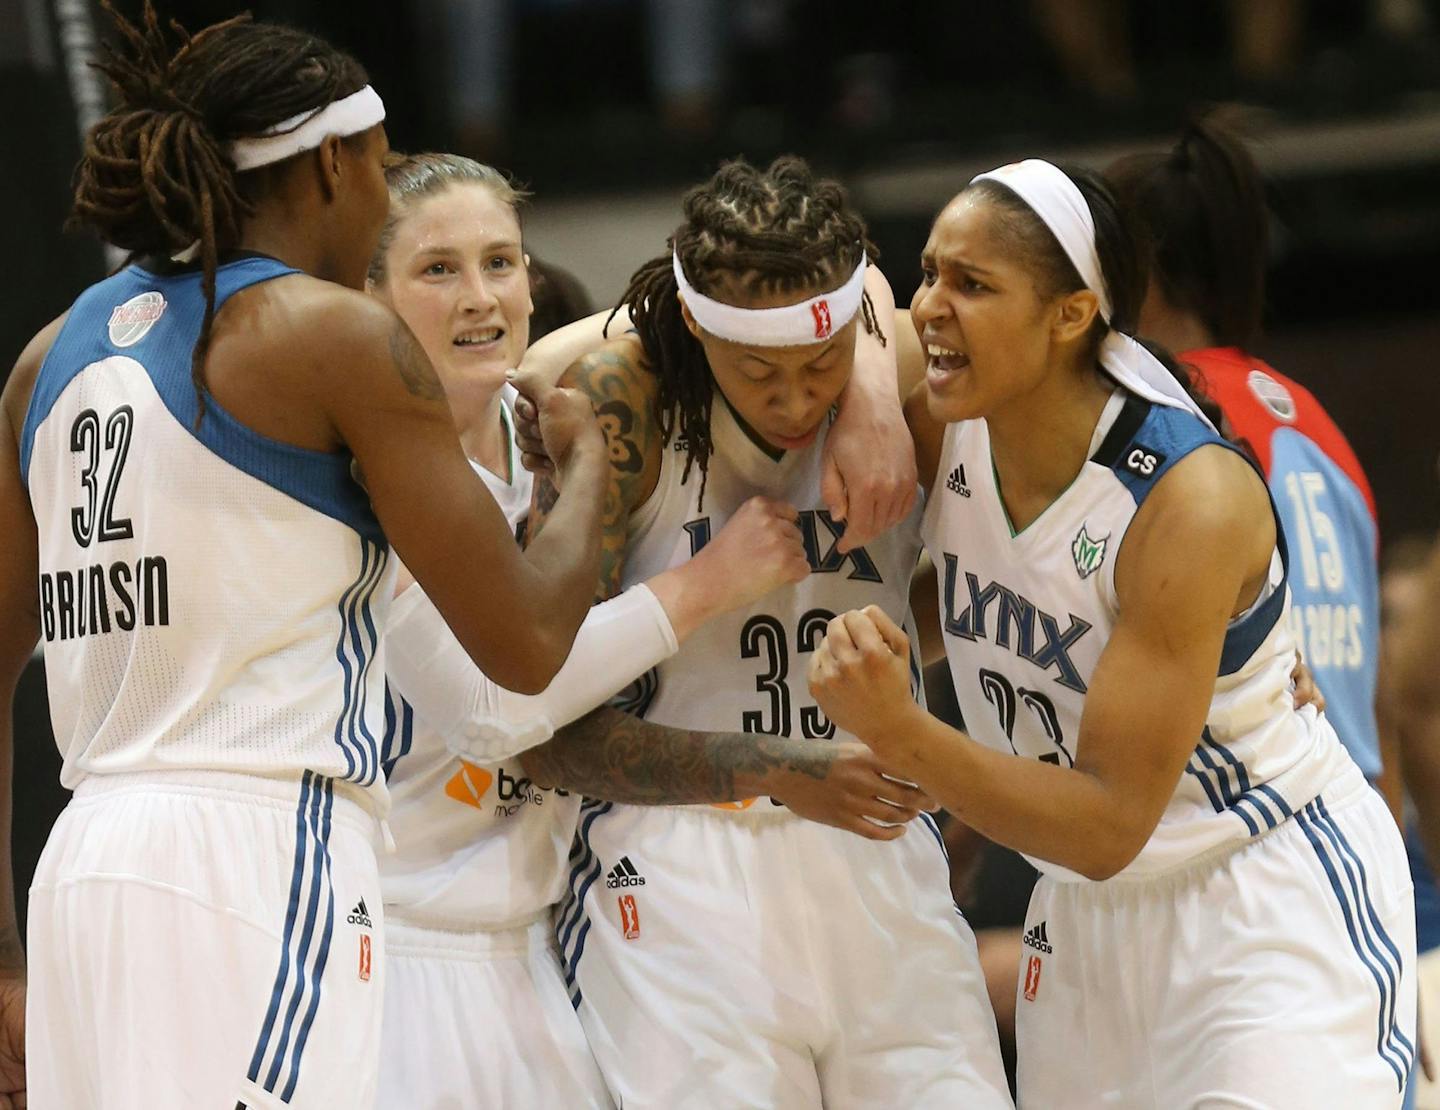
(574, 913)
(1164, 436)
(1371, 943)
(319, 479)
(312, 841)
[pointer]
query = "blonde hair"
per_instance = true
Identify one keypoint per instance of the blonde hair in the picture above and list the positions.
(411, 177)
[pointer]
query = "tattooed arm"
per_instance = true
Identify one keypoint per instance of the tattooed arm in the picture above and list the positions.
(622, 389)
(611, 755)
(389, 409)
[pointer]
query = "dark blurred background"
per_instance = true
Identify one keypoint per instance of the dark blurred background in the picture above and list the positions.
(607, 108)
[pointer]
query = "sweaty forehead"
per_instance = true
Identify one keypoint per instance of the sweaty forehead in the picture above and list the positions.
(969, 227)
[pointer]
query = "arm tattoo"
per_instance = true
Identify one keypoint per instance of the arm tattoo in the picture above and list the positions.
(623, 394)
(414, 367)
(612, 755)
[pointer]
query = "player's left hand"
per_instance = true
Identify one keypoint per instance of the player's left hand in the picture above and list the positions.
(12, 1043)
(860, 675)
(868, 476)
(1306, 691)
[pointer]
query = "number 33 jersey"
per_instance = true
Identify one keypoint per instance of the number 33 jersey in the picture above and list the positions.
(1027, 615)
(746, 671)
(209, 599)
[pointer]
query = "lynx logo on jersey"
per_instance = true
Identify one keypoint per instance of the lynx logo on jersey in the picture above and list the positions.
(811, 522)
(1089, 553)
(1014, 628)
(130, 321)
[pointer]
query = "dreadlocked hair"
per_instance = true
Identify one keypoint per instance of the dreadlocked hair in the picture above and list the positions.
(779, 230)
(154, 176)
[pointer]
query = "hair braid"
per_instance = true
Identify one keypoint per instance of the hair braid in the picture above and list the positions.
(778, 230)
(154, 176)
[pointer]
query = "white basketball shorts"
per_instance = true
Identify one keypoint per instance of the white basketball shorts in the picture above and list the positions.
(205, 939)
(1279, 974)
(482, 1020)
(773, 964)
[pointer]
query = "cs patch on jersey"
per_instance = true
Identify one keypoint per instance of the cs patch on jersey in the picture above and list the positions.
(130, 321)
(1272, 395)
(1089, 552)
(1142, 461)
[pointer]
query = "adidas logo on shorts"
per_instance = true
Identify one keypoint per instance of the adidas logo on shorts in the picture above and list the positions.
(624, 874)
(360, 915)
(955, 483)
(1038, 939)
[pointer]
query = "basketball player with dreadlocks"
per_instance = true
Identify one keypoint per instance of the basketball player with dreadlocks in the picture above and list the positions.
(734, 955)
(176, 474)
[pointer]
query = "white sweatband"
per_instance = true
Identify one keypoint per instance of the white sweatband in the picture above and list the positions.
(482, 721)
(791, 325)
(1061, 206)
(349, 115)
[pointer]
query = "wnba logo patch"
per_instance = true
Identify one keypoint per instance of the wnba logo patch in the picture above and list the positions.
(365, 957)
(132, 320)
(821, 311)
(1032, 978)
(629, 917)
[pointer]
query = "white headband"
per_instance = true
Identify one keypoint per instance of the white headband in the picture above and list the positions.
(1053, 197)
(349, 115)
(791, 325)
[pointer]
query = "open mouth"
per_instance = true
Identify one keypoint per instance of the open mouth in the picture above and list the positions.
(478, 337)
(945, 359)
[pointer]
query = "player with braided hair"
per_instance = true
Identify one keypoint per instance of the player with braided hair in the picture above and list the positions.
(177, 476)
(733, 954)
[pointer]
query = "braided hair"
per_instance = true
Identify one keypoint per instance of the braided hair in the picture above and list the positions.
(154, 176)
(778, 230)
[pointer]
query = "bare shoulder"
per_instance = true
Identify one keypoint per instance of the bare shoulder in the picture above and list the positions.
(616, 368)
(21, 383)
(1208, 522)
(329, 332)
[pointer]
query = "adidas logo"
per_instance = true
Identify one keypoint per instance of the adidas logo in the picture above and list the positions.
(955, 483)
(360, 915)
(624, 874)
(1038, 939)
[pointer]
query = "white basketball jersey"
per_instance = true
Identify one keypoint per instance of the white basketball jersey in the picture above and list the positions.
(745, 671)
(478, 847)
(1027, 616)
(209, 598)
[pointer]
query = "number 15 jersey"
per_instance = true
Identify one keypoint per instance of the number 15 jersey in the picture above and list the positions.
(746, 671)
(210, 599)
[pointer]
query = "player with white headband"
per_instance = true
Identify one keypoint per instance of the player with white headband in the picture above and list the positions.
(211, 582)
(1224, 916)
(482, 850)
(736, 955)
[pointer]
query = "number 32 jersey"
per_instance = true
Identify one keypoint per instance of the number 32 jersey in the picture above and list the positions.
(1026, 617)
(746, 671)
(210, 599)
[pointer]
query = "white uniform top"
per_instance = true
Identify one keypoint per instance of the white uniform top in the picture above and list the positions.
(1027, 616)
(478, 847)
(745, 671)
(210, 599)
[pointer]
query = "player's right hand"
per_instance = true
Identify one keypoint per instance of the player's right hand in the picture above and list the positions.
(758, 550)
(12, 1043)
(845, 786)
(566, 419)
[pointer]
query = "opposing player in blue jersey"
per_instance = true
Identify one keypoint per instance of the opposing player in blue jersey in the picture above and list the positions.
(182, 526)
(1204, 225)
(1224, 901)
